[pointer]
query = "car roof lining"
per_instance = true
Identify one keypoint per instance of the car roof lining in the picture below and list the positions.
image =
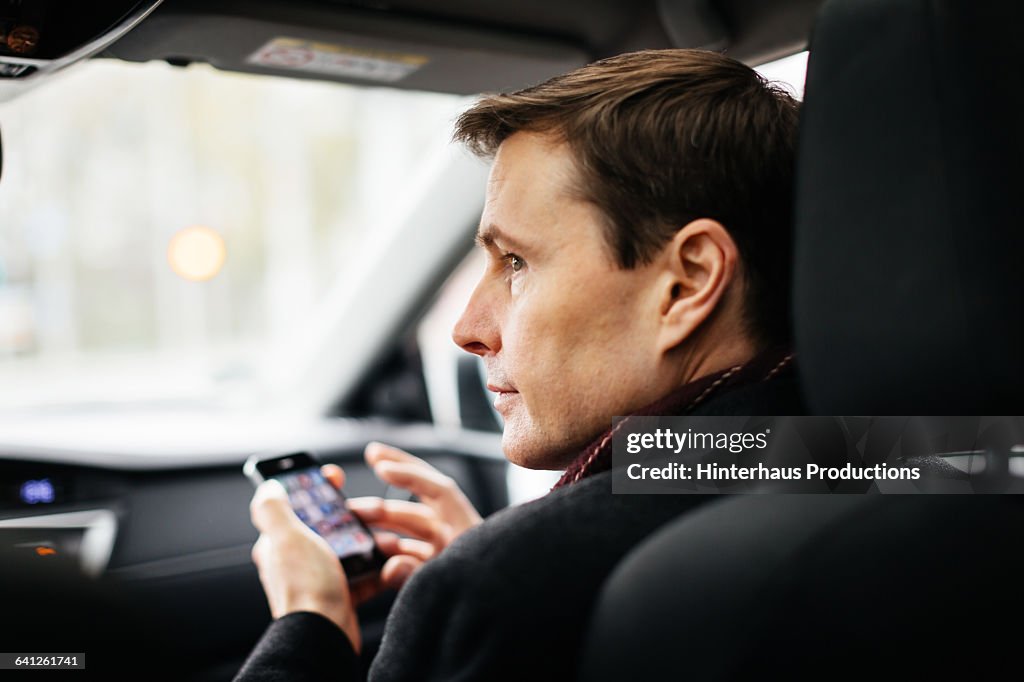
(468, 45)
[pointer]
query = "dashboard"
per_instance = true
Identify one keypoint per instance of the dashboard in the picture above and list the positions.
(170, 537)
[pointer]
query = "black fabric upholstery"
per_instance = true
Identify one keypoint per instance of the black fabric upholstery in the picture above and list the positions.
(910, 225)
(817, 587)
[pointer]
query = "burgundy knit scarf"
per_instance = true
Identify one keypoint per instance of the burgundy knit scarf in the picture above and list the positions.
(597, 456)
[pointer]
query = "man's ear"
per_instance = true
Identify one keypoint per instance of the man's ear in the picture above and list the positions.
(701, 262)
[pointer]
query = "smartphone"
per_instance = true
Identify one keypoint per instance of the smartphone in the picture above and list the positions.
(322, 507)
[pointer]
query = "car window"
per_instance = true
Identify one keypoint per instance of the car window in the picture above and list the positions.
(790, 72)
(168, 233)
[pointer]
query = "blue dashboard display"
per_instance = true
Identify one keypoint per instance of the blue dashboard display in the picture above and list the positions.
(40, 491)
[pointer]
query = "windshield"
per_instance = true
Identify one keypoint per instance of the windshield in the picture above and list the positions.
(170, 234)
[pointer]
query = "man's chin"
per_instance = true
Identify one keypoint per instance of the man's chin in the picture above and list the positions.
(530, 452)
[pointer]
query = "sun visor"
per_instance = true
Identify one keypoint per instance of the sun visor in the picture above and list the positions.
(350, 45)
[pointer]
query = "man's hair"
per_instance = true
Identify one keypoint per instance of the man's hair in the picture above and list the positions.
(663, 137)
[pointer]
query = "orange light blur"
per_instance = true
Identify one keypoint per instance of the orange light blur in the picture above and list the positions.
(196, 253)
(45, 551)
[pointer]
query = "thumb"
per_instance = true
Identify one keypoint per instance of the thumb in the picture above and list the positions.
(270, 509)
(335, 474)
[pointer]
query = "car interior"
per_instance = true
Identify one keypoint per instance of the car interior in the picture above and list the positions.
(128, 530)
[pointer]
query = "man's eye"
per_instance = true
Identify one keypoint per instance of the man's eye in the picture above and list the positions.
(514, 261)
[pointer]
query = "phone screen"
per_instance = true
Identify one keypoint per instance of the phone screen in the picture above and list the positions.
(320, 506)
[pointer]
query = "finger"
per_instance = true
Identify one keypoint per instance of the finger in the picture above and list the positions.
(397, 570)
(366, 508)
(407, 471)
(270, 510)
(407, 518)
(387, 542)
(419, 478)
(257, 550)
(334, 474)
(434, 488)
(378, 452)
(391, 545)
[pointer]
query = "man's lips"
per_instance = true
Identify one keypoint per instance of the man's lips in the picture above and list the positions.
(506, 395)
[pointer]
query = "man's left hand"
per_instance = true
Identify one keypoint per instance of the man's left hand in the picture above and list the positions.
(298, 569)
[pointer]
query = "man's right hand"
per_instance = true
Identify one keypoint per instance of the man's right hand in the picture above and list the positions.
(430, 525)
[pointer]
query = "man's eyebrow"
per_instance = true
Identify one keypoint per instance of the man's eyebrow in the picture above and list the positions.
(486, 237)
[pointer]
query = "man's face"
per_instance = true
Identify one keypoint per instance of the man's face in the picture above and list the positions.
(567, 337)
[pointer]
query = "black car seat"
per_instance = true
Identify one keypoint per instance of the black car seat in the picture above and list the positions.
(908, 299)
(908, 294)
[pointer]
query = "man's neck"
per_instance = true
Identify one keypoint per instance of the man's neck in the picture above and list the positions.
(710, 356)
(682, 400)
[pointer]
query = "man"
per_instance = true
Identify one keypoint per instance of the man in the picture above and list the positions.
(637, 232)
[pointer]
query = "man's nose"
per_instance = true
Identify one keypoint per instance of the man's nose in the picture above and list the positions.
(477, 330)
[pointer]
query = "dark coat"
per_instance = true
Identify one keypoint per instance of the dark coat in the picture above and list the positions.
(509, 599)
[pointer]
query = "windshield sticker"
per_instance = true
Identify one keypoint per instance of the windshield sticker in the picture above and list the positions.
(336, 60)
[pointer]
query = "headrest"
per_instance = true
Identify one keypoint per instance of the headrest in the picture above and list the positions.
(908, 285)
